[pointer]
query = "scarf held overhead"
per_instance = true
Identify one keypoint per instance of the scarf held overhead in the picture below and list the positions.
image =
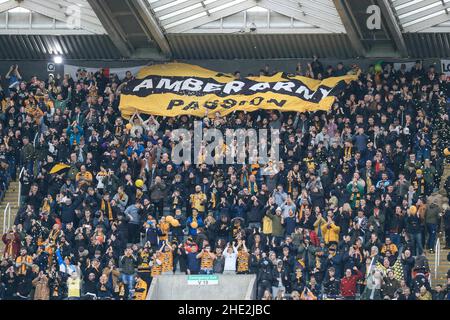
(176, 89)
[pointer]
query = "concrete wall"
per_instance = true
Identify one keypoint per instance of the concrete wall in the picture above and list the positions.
(175, 287)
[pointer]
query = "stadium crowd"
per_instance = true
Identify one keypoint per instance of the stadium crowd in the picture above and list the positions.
(357, 198)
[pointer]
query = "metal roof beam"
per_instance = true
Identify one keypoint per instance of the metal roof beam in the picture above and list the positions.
(424, 13)
(184, 27)
(35, 31)
(198, 10)
(393, 27)
(313, 18)
(86, 12)
(401, 2)
(49, 10)
(111, 26)
(264, 30)
(415, 6)
(314, 6)
(149, 24)
(350, 27)
(437, 29)
(180, 6)
(428, 23)
(161, 3)
(6, 6)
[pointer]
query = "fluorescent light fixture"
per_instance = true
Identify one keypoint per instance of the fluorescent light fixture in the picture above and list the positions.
(57, 59)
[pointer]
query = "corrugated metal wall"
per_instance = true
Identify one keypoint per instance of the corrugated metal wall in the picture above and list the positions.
(41, 47)
(259, 46)
(214, 46)
(279, 46)
(428, 45)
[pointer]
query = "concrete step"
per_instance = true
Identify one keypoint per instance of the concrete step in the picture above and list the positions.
(443, 267)
(11, 205)
(11, 198)
(11, 201)
(440, 267)
(12, 190)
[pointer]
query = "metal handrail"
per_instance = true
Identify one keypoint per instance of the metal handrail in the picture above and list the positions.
(6, 218)
(20, 187)
(437, 256)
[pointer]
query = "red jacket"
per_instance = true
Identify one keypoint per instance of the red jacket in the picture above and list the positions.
(348, 285)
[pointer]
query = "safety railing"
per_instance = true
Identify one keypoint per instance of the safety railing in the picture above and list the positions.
(437, 256)
(20, 188)
(6, 218)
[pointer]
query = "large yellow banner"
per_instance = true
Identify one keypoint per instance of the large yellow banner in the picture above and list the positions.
(175, 89)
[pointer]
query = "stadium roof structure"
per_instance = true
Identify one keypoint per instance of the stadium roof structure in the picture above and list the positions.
(49, 17)
(225, 29)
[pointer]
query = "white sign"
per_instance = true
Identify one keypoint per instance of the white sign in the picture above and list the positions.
(203, 280)
(374, 20)
(445, 64)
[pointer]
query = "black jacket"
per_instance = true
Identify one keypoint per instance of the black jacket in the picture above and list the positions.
(331, 287)
(412, 224)
(90, 286)
(255, 213)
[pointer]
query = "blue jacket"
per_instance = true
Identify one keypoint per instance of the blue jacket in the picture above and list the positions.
(192, 231)
(139, 150)
(289, 225)
(193, 263)
(75, 136)
(152, 235)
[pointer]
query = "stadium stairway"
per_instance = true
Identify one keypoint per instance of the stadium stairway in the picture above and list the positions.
(440, 277)
(11, 196)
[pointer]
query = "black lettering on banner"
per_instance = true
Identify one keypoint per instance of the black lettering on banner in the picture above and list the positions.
(256, 101)
(174, 103)
(211, 104)
(228, 103)
(278, 103)
(182, 86)
(193, 105)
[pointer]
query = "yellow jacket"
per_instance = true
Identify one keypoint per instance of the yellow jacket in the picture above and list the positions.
(330, 234)
(73, 288)
(198, 201)
(85, 176)
(267, 225)
(318, 224)
(392, 248)
(140, 290)
(426, 296)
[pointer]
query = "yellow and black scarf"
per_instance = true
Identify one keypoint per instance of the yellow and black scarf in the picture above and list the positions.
(419, 185)
(348, 153)
(105, 206)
